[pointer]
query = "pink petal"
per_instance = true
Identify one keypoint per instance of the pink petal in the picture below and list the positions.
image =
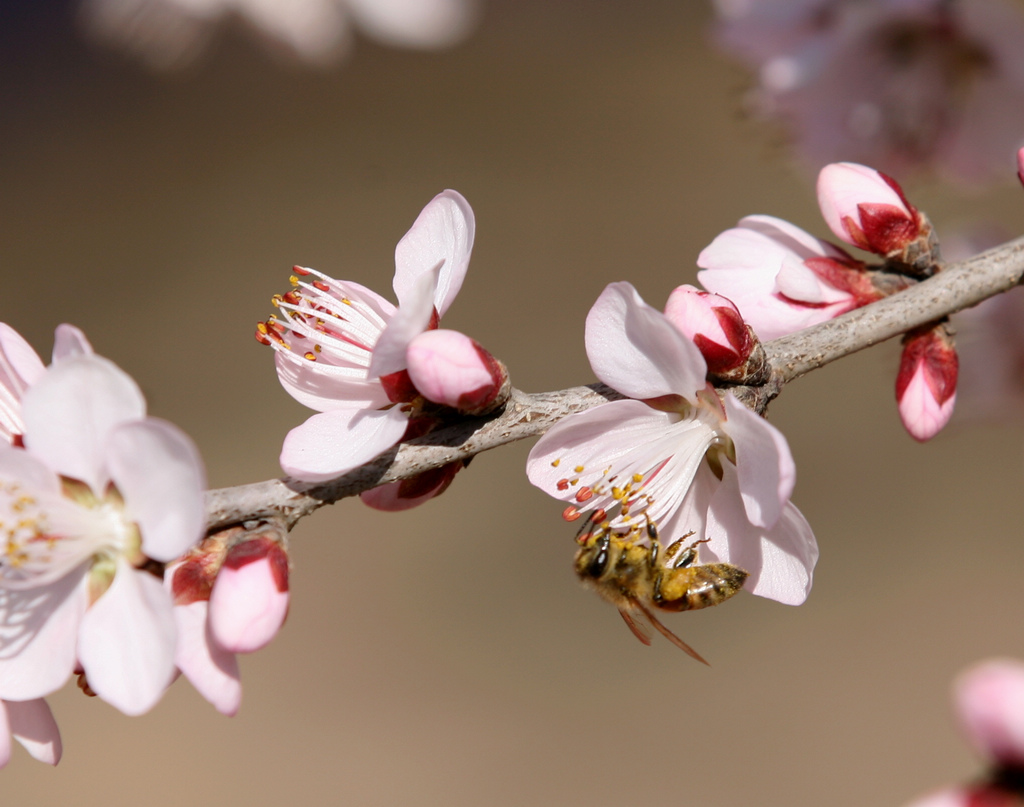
(414, 23)
(20, 467)
(332, 443)
(69, 341)
(410, 320)
(211, 669)
(20, 365)
(39, 636)
(441, 235)
(990, 703)
(922, 415)
(951, 797)
(249, 601)
(161, 476)
(844, 187)
(32, 724)
(634, 349)
(449, 368)
(592, 441)
(780, 561)
(324, 387)
(71, 411)
(409, 493)
(127, 641)
(6, 746)
(764, 464)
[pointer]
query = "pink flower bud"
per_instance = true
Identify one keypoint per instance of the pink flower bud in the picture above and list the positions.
(412, 492)
(990, 703)
(449, 368)
(249, 601)
(714, 324)
(1020, 165)
(866, 208)
(926, 382)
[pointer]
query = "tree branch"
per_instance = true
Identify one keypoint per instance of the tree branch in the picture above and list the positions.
(958, 286)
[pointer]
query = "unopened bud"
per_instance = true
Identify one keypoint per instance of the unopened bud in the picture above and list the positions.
(249, 600)
(926, 382)
(412, 492)
(716, 327)
(451, 369)
(866, 208)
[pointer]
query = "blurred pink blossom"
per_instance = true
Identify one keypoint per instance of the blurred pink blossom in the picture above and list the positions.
(172, 33)
(31, 723)
(926, 382)
(890, 83)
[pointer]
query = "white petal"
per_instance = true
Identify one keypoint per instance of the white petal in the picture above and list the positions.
(32, 724)
(212, 670)
(415, 23)
(764, 464)
(160, 474)
(30, 473)
(780, 561)
(323, 387)
(70, 412)
(410, 320)
(5, 737)
(442, 234)
(634, 349)
(332, 443)
(39, 636)
(69, 341)
(127, 641)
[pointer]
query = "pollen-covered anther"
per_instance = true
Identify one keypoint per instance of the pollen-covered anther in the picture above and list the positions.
(562, 484)
(320, 285)
(571, 513)
(584, 494)
(310, 355)
(556, 463)
(301, 270)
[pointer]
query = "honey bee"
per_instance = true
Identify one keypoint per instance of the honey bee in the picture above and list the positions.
(630, 577)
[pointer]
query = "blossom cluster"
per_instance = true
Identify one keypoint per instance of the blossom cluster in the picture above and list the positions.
(96, 499)
(783, 279)
(894, 83)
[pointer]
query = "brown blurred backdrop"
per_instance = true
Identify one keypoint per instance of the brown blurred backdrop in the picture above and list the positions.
(447, 656)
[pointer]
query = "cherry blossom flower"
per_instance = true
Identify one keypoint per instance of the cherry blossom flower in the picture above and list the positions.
(891, 83)
(866, 208)
(782, 278)
(989, 702)
(97, 499)
(676, 455)
(172, 33)
(31, 723)
(342, 349)
(926, 382)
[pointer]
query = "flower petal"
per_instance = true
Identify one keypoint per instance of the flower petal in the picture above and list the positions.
(6, 746)
(780, 561)
(32, 724)
(70, 412)
(332, 443)
(69, 341)
(249, 601)
(160, 474)
(39, 636)
(324, 387)
(764, 464)
(441, 235)
(410, 320)
(636, 350)
(20, 365)
(127, 641)
(211, 669)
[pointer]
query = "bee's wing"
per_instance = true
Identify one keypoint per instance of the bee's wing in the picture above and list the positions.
(663, 631)
(639, 631)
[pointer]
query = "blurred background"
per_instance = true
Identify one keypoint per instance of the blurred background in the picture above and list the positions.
(447, 655)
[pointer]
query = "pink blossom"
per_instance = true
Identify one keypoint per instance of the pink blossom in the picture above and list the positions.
(926, 382)
(674, 454)
(249, 601)
(31, 723)
(449, 368)
(714, 325)
(890, 83)
(866, 208)
(342, 349)
(781, 278)
(1020, 165)
(169, 34)
(990, 703)
(99, 491)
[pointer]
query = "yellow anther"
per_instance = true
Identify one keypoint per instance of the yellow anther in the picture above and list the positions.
(309, 354)
(555, 463)
(578, 469)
